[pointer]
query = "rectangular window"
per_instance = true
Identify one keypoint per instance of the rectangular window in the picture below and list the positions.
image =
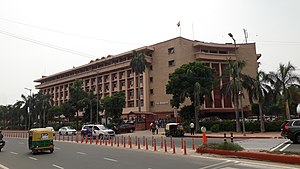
(151, 79)
(151, 91)
(171, 51)
(151, 103)
(151, 67)
(171, 63)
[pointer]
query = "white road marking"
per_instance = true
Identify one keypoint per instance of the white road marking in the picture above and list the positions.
(238, 162)
(265, 165)
(3, 167)
(285, 147)
(21, 143)
(54, 165)
(14, 153)
(81, 153)
(109, 159)
(278, 146)
(214, 165)
(57, 148)
(32, 158)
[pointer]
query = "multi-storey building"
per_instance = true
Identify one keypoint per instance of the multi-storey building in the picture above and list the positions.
(113, 73)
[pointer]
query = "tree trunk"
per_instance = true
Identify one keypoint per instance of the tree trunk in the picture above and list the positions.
(262, 121)
(196, 119)
(287, 110)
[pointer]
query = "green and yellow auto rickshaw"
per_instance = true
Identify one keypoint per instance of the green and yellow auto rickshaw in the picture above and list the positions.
(40, 139)
(174, 130)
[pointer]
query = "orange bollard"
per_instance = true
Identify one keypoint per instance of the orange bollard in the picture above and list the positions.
(171, 142)
(144, 141)
(154, 144)
(118, 143)
(97, 140)
(86, 139)
(136, 142)
(174, 151)
(146, 144)
(91, 139)
(108, 139)
(184, 150)
(130, 143)
(204, 139)
(124, 142)
(139, 147)
(112, 143)
(193, 144)
(165, 145)
(115, 140)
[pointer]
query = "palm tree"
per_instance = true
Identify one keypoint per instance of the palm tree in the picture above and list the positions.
(257, 90)
(138, 65)
(283, 79)
(233, 86)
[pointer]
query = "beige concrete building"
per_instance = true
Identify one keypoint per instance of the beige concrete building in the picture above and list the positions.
(113, 73)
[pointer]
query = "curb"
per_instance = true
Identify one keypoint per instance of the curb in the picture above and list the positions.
(239, 137)
(289, 159)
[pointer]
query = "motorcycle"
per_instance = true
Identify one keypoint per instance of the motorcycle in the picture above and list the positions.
(2, 143)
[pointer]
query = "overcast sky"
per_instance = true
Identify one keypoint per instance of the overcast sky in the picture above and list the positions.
(45, 37)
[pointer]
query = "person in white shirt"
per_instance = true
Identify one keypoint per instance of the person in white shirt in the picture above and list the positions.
(192, 128)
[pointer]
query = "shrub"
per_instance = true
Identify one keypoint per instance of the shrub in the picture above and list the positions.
(221, 146)
(215, 128)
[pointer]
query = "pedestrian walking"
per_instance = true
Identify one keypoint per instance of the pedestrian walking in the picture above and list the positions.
(192, 128)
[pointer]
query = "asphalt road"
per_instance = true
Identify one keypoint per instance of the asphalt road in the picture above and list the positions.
(16, 155)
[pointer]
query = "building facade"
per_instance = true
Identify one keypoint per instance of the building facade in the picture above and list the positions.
(113, 73)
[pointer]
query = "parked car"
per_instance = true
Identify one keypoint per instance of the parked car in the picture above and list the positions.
(291, 129)
(67, 130)
(124, 128)
(96, 130)
(52, 129)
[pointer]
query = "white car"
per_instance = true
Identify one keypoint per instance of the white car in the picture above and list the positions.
(97, 130)
(66, 131)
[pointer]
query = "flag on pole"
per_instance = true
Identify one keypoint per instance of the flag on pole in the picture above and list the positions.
(178, 24)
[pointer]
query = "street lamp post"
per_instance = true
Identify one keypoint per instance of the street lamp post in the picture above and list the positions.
(29, 105)
(97, 116)
(240, 93)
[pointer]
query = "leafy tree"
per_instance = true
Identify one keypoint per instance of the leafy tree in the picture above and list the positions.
(257, 90)
(182, 84)
(42, 106)
(282, 80)
(113, 106)
(233, 86)
(54, 111)
(76, 101)
(90, 102)
(138, 65)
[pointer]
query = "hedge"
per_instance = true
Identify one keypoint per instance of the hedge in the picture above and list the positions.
(253, 126)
